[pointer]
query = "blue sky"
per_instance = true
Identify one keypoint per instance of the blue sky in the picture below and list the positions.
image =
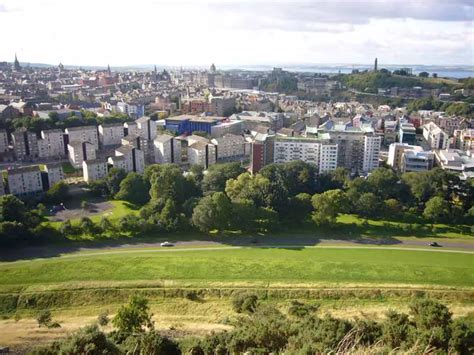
(199, 32)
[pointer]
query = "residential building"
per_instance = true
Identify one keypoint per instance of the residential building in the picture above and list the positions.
(111, 134)
(221, 106)
(201, 153)
(406, 133)
(229, 147)
(25, 180)
(133, 110)
(464, 139)
(144, 145)
(456, 161)
(167, 149)
(261, 151)
(3, 141)
(55, 173)
(146, 128)
(133, 159)
(94, 169)
(83, 134)
(252, 119)
(310, 150)
(358, 148)
(51, 144)
(227, 127)
(131, 129)
(25, 144)
(435, 136)
(416, 160)
(372, 145)
(80, 151)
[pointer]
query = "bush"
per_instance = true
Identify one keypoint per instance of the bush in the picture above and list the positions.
(299, 309)
(103, 319)
(245, 303)
(44, 318)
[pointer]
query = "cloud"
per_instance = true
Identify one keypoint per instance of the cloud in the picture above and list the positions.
(327, 15)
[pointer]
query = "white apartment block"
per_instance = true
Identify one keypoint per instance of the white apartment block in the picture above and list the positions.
(84, 134)
(55, 173)
(371, 153)
(328, 157)
(3, 141)
(144, 145)
(51, 144)
(413, 160)
(435, 136)
(309, 150)
(80, 151)
(404, 157)
(167, 149)
(133, 159)
(131, 129)
(146, 128)
(25, 180)
(464, 139)
(94, 169)
(25, 144)
(202, 153)
(229, 147)
(111, 134)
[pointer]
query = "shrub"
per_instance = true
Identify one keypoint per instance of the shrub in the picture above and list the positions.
(103, 319)
(44, 318)
(245, 303)
(299, 309)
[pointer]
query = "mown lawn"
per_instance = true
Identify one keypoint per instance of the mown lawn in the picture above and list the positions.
(251, 264)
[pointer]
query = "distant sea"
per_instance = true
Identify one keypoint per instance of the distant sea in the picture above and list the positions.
(457, 72)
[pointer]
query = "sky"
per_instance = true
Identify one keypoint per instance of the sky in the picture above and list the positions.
(233, 33)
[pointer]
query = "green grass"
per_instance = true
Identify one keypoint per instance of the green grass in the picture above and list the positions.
(68, 168)
(384, 228)
(309, 265)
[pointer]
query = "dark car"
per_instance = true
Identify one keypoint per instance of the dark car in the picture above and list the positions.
(434, 244)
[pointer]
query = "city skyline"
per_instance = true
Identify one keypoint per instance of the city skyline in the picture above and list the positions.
(238, 33)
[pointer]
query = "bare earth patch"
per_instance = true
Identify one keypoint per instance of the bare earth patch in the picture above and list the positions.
(78, 212)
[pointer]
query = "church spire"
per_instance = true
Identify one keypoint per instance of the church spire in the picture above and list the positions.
(16, 64)
(108, 69)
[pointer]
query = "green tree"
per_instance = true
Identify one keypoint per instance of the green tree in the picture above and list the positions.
(134, 189)
(168, 182)
(424, 74)
(169, 217)
(87, 226)
(212, 212)
(328, 205)
(384, 183)
(113, 179)
(134, 317)
(217, 175)
(57, 193)
(13, 209)
(436, 209)
(369, 205)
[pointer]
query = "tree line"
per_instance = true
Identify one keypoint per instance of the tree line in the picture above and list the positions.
(226, 197)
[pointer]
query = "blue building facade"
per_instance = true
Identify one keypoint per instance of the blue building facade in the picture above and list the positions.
(188, 125)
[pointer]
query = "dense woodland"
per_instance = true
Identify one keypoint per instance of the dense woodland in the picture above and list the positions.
(227, 198)
(264, 329)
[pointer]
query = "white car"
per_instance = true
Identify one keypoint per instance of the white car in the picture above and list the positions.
(167, 244)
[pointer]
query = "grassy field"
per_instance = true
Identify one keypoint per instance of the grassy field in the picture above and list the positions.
(251, 264)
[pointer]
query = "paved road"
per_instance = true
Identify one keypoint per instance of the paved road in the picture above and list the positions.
(214, 243)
